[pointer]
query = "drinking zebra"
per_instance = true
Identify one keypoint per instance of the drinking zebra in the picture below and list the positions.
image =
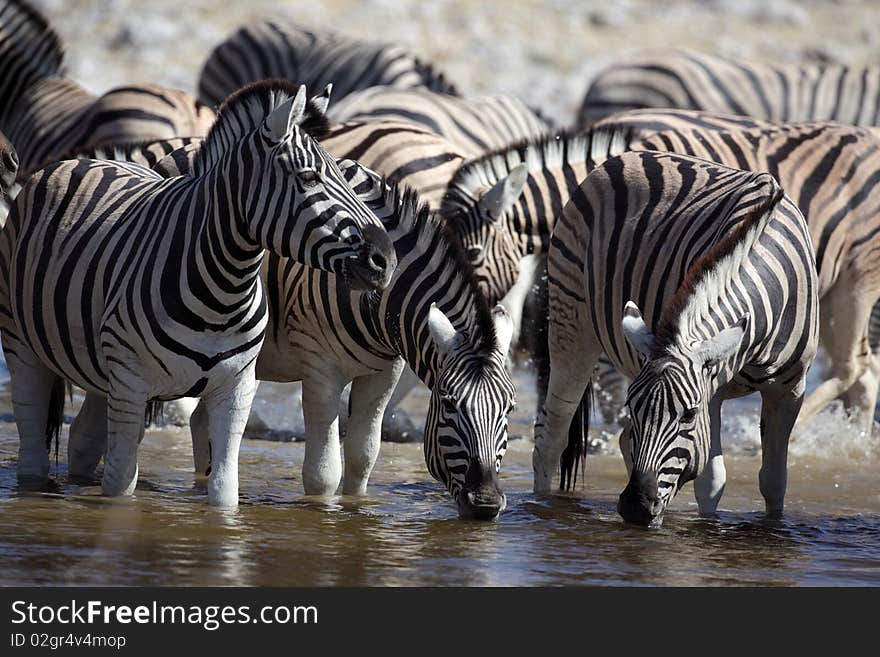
(282, 49)
(47, 115)
(431, 318)
(698, 281)
(141, 289)
(775, 92)
(474, 125)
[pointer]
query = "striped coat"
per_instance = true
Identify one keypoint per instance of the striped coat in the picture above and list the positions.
(698, 281)
(47, 115)
(282, 49)
(141, 289)
(688, 80)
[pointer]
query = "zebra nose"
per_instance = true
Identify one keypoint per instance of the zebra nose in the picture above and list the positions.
(639, 502)
(378, 257)
(481, 498)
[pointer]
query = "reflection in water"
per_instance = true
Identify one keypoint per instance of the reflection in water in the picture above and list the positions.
(406, 531)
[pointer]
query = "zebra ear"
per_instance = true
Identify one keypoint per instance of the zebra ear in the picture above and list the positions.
(282, 119)
(722, 346)
(636, 331)
(321, 101)
(503, 194)
(503, 327)
(442, 330)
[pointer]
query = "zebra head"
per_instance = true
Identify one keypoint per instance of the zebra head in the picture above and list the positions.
(479, 218)
(667, 441)
(292, 196)
(466, 426)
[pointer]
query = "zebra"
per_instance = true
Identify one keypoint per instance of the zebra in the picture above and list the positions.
(431, 318)
(8, 171)
(474, 125)
(46, 115)
(698, 281)
(282, 49)
(141, 289)
(688, 80)
(832, 172)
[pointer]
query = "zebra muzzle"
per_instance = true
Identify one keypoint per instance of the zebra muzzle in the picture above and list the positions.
(375, 262)
(640, 502)
(481, 498)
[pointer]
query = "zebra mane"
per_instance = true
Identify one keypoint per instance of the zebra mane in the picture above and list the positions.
(241, 114)
(435, 80)
(712, 269)
(414, 217)
(547, 151)
(27, 38)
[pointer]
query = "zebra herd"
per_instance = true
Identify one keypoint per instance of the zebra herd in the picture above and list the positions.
(686, 242)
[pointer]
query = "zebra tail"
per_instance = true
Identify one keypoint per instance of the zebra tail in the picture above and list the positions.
(56, 415)
(574, 456)
(155, 413)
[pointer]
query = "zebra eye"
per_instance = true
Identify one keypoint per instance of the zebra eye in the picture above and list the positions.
(511, 408)
(688, 416)
(449, 403)
(497, 465)
(475, 253)
(308, 177)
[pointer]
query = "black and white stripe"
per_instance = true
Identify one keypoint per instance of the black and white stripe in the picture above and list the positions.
(282, 49)
(141, 289)
(775, 92)
(720, 263)
(8, 171)
(46, 115)
(475, 125)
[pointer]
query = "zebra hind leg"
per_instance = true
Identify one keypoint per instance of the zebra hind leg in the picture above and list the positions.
(88, 439)
(322, 465)
(38, 406)
(709, 486)
(201, 443)
(778, 415)
(367, 402)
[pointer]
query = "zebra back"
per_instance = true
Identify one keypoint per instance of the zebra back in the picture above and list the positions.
(475, 125)
(404, 153)
(281, 49)
(688, 80)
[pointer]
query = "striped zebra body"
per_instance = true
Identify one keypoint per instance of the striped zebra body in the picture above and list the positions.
(721, 264)
(832, 172)
(139, 289)
(474, 125)
(47, 115)
(689, 80)
(281, 49)
(432, 319)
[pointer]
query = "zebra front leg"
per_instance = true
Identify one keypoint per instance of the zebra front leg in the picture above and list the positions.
(322, 465)
(227, 410)
(201, 443)
(778, 414)
(37, 404)
(709, 486)
(367, 402)
(88, 438)
(126, 412)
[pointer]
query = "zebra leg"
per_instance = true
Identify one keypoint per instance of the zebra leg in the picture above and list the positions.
(227, 410)
(709, 486)
(201, 443)
(844, 335)
(569, 377)
(322, 465)
(778, 415)
(33, 385)
(126, 410)
(369, 396)
(88, 438)
(861, 399)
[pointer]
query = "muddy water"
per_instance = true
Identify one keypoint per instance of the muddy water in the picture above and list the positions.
(406, 530)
